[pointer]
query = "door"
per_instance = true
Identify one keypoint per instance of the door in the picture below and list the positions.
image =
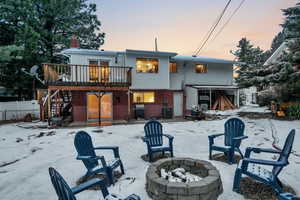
(178, 104)
(93, 107)
(104, 71)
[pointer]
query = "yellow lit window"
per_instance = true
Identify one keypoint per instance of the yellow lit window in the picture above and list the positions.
(201, 68)
(93, 70)
(104, 71)
(147, 65)
(143, 97)
(173, 67)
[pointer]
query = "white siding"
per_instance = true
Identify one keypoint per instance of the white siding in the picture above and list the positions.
(217, 74)
(158, 80)
(177, 78)
(80, 59)
(191, 97)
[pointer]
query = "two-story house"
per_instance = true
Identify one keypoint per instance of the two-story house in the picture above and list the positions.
(113, 85)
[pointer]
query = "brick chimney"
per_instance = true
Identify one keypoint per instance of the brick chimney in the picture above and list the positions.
(74, 42)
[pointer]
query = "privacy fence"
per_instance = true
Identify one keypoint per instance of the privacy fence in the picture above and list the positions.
(17, 110)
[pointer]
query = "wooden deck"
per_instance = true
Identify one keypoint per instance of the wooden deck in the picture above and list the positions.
(86, 77)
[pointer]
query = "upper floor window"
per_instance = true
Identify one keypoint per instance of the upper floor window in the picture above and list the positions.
(98, 71)
(93, 70)
(173, 67)
(147, 65)
(143, 97)
(200, 68)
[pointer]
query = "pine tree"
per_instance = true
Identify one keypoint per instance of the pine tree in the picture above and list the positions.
(42, 28)
(286, 69)
(277, 41)
(249, 60)
(284, 73)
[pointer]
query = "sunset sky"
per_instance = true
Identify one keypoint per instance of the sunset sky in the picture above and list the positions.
(180, 25)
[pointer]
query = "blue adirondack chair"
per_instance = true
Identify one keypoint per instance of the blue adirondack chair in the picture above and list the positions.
(86, 153)
(154, 139)
(64, 192)
(287, 196)
(233, 136)
(252, 167)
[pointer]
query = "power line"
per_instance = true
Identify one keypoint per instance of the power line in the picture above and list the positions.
(229, 19)
(212, 29)
(207, 34)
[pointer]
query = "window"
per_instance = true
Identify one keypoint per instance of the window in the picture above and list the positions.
(143, 97)
(95, 73)
(93, 70)
(173, 67)
(201, 68)
(147, 65)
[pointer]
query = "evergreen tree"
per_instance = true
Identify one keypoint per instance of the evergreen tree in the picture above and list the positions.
(43, 28)
(249, 60)
(285, 70)
(291, 24)
(277, 41)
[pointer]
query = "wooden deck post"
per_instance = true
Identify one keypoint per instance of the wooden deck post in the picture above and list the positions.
(210, 99)
(129, 104)
(49, 106)
(237, 98)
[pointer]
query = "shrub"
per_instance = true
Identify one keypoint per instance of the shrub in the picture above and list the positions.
(293, 111)
(264, 99)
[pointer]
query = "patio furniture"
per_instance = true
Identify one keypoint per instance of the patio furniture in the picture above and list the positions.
(64, 192)
(252, 167)
(154, 139)
(287, 196)
(86, 153)
(233, 136)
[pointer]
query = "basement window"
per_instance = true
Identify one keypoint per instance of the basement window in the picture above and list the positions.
(200, 68)
(173, 67)
(147, 65)
(143, 97)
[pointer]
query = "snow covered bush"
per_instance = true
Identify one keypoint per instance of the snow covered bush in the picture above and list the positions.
(195, 108)
(293, 111)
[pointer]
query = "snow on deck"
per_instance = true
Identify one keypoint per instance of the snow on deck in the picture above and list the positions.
(28, 178)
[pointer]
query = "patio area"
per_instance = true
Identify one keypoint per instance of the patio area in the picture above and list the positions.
(26, 155)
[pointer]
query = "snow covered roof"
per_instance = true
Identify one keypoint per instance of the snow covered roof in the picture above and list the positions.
(153, 53)
(215, 87)
(202, 59)
(114, 53)
(174, 56)
(276, 54)
(90, 52)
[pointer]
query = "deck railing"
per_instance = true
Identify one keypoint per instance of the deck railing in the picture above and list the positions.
(86, 75)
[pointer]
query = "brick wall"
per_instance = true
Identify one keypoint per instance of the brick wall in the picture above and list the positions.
(154, 110)
(79, 106)
(120, 105)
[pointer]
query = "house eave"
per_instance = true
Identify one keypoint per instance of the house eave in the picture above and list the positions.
(198, 59)
(93, 52)
(150, 53)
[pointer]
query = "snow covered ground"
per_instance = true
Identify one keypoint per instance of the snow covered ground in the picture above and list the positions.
(28, 178)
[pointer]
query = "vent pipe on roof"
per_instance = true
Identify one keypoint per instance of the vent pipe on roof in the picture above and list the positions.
(156, 44)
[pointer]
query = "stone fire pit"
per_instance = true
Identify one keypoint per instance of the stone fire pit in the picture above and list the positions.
(208, 188)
